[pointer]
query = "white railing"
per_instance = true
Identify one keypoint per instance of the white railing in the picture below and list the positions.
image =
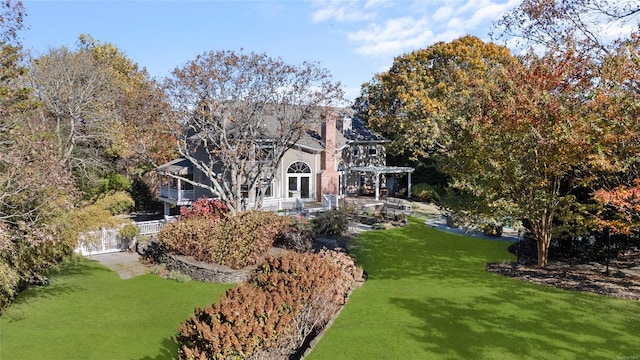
(108, 240)
(329, 201)
(150, 227)
(175, 194)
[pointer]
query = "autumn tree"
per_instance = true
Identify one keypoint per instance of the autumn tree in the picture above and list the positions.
(239, 114)
(142, 107)
(35, 190)
(541, 128)
(107, 115)
(412, 101)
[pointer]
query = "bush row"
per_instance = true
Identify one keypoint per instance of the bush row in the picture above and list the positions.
(287, 298)
(236, 241)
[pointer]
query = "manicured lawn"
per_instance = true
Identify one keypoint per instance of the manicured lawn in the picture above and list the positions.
(429, 297)
(88, 312)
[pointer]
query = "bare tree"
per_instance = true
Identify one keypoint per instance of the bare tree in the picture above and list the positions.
(239, 113)
(78, 104)
(553, 24)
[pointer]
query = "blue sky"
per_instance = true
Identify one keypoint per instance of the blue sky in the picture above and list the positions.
(353, 39)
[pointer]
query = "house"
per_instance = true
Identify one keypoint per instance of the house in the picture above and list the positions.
(336, 160)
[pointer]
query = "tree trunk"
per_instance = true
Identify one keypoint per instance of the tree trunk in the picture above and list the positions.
(541, 230)
(543, 250)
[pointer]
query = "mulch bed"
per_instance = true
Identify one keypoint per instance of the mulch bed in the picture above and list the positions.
(586, 277)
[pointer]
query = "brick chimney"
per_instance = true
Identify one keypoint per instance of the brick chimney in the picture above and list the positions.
(328, 183)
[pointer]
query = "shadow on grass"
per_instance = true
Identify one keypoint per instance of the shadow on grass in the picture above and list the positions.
(418, 250)
(466, 312)
(169, 350)
(60, 280)
(511, 325)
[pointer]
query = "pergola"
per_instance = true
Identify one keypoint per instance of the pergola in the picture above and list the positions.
(377, 170)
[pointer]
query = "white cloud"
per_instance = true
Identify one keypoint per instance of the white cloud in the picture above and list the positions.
(442, 14)
(393, 37)
(476, 12)
(345, 11)
(384, 29)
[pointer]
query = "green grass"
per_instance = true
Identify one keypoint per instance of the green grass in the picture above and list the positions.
(88, 312)
(429, 297)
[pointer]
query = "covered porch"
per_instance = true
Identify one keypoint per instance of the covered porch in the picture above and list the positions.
(378, 170)
(173, 190)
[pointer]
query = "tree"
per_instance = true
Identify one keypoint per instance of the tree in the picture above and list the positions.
(420, 93)
(239, 114)
(78, 96)
(540, 129)
(142, 107)
(107, 116)
(35, 190)
(553, 23)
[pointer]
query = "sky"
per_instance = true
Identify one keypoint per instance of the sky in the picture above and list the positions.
(354, 40)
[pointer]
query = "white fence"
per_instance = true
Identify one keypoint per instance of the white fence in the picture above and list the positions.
(150, 227)
(108, 240)
(101, 242)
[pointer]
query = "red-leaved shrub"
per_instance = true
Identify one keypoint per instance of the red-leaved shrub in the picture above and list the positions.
(212, 209)
(270, 316)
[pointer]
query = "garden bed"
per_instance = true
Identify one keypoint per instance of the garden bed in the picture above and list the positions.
(589, 278)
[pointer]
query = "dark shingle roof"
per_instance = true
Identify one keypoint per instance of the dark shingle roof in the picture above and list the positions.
(359, 131)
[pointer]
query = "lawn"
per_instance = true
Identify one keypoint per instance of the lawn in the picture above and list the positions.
(88, 312)
(429, 297)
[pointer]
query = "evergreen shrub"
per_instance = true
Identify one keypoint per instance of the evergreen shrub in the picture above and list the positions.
(331, 223)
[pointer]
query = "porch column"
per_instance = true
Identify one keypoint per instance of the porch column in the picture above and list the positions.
(377, 186)
(179, 195)
(409, 185)
(166, 209)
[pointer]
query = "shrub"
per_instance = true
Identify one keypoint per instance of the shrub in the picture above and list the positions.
(331, 223)
(237, 241)
(425, 192)
(190, 237)
(271, 315)
(9, 280)
(212, 209)
(492, 229)
(116, 182)
(158, 269)
(119, 202)
(129, 231)
(178, 277)
(298, 236)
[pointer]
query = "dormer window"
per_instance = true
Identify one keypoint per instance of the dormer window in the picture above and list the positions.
(373, 150)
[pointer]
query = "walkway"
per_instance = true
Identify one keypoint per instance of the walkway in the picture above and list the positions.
(126, 264)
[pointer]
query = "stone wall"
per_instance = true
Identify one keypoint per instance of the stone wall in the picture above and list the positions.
(196, 270)
(205, 272)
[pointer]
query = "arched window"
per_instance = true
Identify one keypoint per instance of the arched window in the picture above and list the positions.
(299, 180)
(299, 167)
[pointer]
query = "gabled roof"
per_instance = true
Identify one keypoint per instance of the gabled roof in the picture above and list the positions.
(360, 132)
(180, 166)
(341, 141)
